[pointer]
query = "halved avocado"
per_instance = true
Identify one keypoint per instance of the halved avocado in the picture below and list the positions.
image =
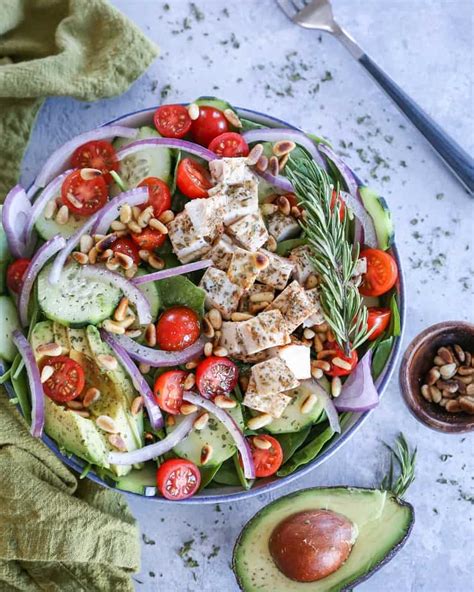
(383, 522)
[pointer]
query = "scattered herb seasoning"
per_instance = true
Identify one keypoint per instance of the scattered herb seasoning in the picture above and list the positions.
(147, 541)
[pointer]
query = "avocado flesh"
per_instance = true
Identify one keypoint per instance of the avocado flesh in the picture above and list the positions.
(383, 523)
(381, 216)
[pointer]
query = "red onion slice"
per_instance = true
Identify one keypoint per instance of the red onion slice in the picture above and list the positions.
(60, 157)
(277, 181)
(134, 294)
(363, 216)
(15, 215)
(159, 358)
(328, 405)
(34, 380)
(231, 426)
(40, 258)
(154, 412)
(189, 147)
(48, 193)
(358, 392)
(172, 272)
(153, 450)
(111, 210)
(346, 172)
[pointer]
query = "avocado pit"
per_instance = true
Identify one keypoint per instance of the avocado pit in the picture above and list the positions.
(311, 545)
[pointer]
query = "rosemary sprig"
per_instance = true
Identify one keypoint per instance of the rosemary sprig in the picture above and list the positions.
(334, 258)
(406, 464)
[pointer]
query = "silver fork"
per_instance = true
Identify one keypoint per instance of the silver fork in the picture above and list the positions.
(318, 15)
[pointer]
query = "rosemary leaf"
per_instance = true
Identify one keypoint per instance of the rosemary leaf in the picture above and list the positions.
(405, 460)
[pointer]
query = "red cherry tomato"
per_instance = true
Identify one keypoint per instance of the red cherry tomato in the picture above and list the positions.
(378, 319)
(338, 353)
(148, 239)
(127, 247)
(177, 328)
(67, 381)
(159, 195)
(342, 206)
(229, 144)
(169, 390)
(15, 273)
(210, 124)
(381, 275)
(192, 179)
(84, 197)
(216, 376)
(267, 461)
(172, 121)
(178, 479)
(97, 154)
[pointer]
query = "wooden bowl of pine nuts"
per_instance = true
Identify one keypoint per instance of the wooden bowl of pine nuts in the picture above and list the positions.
(437, 377)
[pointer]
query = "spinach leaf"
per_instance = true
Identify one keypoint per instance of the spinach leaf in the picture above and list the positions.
(381, 355)
(307, 453)
(395, 328)
(286, 246)
(177, 156)
(21, 387)
(207, 475)
(226, 474)
(249, 125)
(181, 291)
(291, 442)
(240, 473)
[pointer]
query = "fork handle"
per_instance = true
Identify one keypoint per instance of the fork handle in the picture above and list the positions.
(455, 157)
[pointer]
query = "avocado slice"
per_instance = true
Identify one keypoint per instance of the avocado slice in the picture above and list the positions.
(383, 522)
(381, 216)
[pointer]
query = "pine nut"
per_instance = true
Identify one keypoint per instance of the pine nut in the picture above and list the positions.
(262, 164)
(89, 173)
(92, 395)
(325, 366)
(273, 166)
(80, 258)
(458, 350)
(125, 214)
(134, 227)
(157, 225)
(144, 368)
(435, 394)
(318, 344)
(271, 244)
(326, 353)
(136, 211)
(127, 322)
(208, 349)
(432, 376)
(193, 111)
(107, 362)
(170, 421)
(144, 254)
(438, 361)
(311, 282)
(283, 147)
(283, 160)
(316, 373)
(261, 443)
(192, 364)
(240, 316)
(50, 349)
(86, 243)
(112, 265)
(206, 454)
(259, 421)
(254, 155)
(215, 318)
(449, 370)
(453, 406)
(207, 328)
(131, 272)
(201, 422)
(336, 386)
(321, 328)
(107, 424)
(425, 391)
(189, 382)
(446, 355)
(221, 352)
(340, 363)
(232, 117)
(166, 217)
(116, 225)
(62, 217)
(295, 212)
(467, 404)
(262, 297)
(156, 262)
(50, 209)
(46, 373)
(145, 217)
(309, 334)
(107, 255)
(133, 333)
(284, 205)
(187, 408)
(330, 336)
(121, 311)
(93, 255)
(98, 237)
(74, 405)
(125, 260)
(308, 404)
(462, 370)
(267, 209)
(117, 442)
(470, 389)
(113, 327)
(81, 412)
(224, 402)
(150, 335)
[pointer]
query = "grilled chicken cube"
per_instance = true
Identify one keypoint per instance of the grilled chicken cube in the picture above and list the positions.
(274, 404)
(282, 227)
(221, 293)
(245, 266)
(277, 272)
(273, 376)
(317, 316)
(301, 259)
(294, 305)
(250, 232)
(186, 243)
(206, 216)
(231, 339)
(297, 357)
(240, 200)
(231, 171)
(268, 329)
(221, 252)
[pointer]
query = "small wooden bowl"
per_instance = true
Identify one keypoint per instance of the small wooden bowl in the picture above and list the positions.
(417, 361)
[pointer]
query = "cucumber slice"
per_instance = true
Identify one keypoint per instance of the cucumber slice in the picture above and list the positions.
(9, 322)
(292, 420)
(151, 293)
(214, 434)
(213, 102)
(76, 301)
(4, 252)
(49, 228)
(142, 481)
(381, 216)
(149, 162)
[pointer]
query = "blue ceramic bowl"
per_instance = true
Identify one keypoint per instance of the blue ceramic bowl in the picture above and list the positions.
(227, 493)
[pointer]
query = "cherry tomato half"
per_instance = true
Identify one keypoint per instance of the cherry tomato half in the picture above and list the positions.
(229, 144)
(210, 124)
(177, 328)
(159, 195)
(126, 246)
(15, 274)
(178, 479)
(169, 390)
(172, 121)
(192, 179)
(67, 381)
(378, 320)
(97, 154)
(338, 353)
(381, 275)
(216, 376)
(335, 199)
(148, 239)
(267, 461)
(84, 197)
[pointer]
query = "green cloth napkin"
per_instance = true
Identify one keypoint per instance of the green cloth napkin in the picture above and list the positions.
(58, 534)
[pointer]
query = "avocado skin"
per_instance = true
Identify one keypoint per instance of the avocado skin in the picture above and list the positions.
(359, 578)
